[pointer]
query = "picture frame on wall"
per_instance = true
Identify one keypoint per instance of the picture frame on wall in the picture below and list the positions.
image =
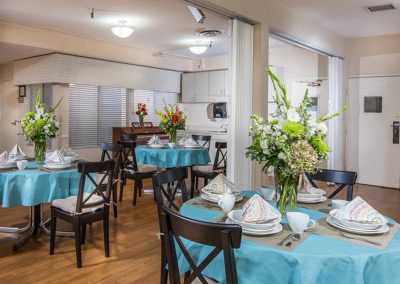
(22, 91)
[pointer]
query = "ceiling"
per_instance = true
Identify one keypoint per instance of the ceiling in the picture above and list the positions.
(160, 26)
(348, 17)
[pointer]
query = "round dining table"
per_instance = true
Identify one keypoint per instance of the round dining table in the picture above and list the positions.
(166, 157)
(32, 187)
(317, 258)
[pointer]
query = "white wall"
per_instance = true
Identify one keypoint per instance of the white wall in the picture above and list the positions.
(198, 117)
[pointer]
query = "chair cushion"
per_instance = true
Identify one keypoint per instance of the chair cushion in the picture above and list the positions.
(204, 168)
(69, 204)
(146, 168)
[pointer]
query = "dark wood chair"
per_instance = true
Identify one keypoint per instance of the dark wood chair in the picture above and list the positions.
(131, 171)
(166, 196)
(342, 178)
(108, 152)
(128, 137)
(208, 172)
(203, 140)
(223, 237)
(86, 208)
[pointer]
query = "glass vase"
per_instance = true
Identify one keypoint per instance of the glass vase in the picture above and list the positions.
(286, 187)
(141, 118)
(40, 151)
(172, 136)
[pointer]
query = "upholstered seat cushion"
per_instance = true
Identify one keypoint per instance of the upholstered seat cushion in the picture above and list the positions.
(69, 204)
(204, 168)
(146, 168)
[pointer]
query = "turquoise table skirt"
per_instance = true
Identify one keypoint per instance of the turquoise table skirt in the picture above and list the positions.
(171, 158)
(32, 186)
(318, 259)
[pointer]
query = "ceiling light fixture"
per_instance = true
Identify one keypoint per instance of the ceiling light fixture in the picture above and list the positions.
(198, 49)
(198, 14)
(122, 31)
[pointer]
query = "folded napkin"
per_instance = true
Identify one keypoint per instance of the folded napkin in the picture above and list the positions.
(220, 185)
(182, 141)
(359, 211)
(191, 142)
(154, 140)
(4, 157)
(305, 185)
(55, 158)
(16, 151)
(67, 151)
(257, 210)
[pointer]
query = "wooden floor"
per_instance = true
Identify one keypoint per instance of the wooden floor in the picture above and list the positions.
(134, 246)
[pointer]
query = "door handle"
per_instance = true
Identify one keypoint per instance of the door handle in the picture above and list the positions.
(396, 128)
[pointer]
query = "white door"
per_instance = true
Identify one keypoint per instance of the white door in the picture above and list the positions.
(378, 155)
(216, 83)
(201, 87)
(188, 87)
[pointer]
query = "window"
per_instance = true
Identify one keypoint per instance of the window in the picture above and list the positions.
(155, 101)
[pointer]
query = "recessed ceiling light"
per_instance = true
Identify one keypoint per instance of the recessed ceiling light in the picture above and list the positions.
(122, 31)
(198, 49)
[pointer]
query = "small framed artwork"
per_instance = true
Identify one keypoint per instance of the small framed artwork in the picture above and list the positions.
(22, 91)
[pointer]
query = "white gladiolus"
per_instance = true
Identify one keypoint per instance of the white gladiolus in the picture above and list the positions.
(292, 115)
(321, 127)
(264, 145)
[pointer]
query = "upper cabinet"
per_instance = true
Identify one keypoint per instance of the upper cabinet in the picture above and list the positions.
(204, 87)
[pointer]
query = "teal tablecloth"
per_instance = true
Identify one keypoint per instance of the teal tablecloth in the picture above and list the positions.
(32, 187)
(171, 158)
(318, 259)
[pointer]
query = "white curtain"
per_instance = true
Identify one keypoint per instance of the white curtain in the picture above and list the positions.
(336, 134)
(239, 167)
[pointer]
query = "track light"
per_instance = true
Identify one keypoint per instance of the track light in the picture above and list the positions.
(197, 14)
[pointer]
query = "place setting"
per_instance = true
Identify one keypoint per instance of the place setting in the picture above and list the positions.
(56, 161)
(307, 194)
(155, 142)
(189, 142)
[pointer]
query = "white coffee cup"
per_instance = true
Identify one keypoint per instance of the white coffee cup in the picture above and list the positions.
(22, 164)
(299, 222)
(226, 202)
(338, 203)
(268, 193)
(171, 145)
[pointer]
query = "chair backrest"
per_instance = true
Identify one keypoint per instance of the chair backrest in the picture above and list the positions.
(110, 151)
(220, 160)
(88, 171)
(342, 178)
(203, 140)
(128, 137)
(223, 237)
(166, 185)
(136, 124)
(147, 124)
(128, 156)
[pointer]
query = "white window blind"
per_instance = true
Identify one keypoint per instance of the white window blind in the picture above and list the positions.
(112, 111)
(83, 116)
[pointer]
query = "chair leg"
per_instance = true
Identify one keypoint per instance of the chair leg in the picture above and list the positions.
(114, 200)
(164, 271)
(121, 190)
(106, 228)
(197, 183)
(140, 188)
(83, 240)
(192, 178)
(78, 242)
(53, 232)
(205, 182)
(135, 192)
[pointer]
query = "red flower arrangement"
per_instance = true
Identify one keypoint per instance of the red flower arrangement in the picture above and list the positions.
(142, 111)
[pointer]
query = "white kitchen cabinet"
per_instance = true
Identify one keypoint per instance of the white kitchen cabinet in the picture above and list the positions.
(188, 87)
(201, 87)
(216, 85)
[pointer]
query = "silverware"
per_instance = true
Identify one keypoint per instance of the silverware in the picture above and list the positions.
(284, 239)
(293, 238)
(390, 225)
(340, 233)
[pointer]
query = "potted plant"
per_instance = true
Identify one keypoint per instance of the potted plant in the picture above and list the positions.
(141, 112)
(172, 119)
(292, 143)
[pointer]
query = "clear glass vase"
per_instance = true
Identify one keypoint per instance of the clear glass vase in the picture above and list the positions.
(40, 151)
(286, 188)
(172, 136)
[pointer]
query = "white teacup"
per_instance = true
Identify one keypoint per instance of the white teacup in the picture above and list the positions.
(338, 203)
(268, 193)
(171, 145)
(22, 164)
(226, 202)
(299, 222)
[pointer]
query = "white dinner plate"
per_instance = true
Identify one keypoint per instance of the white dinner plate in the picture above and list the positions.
(356, 225)
(56, 166)
(312, 200)
(17, 157)
(8, 165)
(381, 230)
(315, 193)
(215, 200)
(276, 229)
(157, 145)
(235, 216)
(192, 146)
(215, 195)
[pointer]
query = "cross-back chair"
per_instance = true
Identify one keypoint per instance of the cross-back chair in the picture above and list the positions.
(208, 172)
(131, 171)
(108, 152)
(86, 208)
(128, 137)
(343, 178)
(203, 140)
(223, 237)
(166, 185)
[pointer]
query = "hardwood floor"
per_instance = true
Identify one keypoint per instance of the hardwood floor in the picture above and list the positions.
(134, 245)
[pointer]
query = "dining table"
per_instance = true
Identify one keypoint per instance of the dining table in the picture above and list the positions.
(33, 187)
(166, 157)
(321, 255)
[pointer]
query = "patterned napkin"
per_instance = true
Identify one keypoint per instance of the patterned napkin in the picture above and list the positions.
(257, 210)
(220, 185)
(55, 158)
(182, 141)
(16, 151)
(4, 157)
(154, 140)
(304, 185)
(67, 151)
(191, 142)
(359, 211)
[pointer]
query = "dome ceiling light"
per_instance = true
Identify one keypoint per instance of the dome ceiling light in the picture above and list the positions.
(122, 30)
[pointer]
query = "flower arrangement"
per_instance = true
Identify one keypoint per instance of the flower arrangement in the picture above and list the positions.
(141, 112)
(38, 126)
(172, 119)
(292, 143)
